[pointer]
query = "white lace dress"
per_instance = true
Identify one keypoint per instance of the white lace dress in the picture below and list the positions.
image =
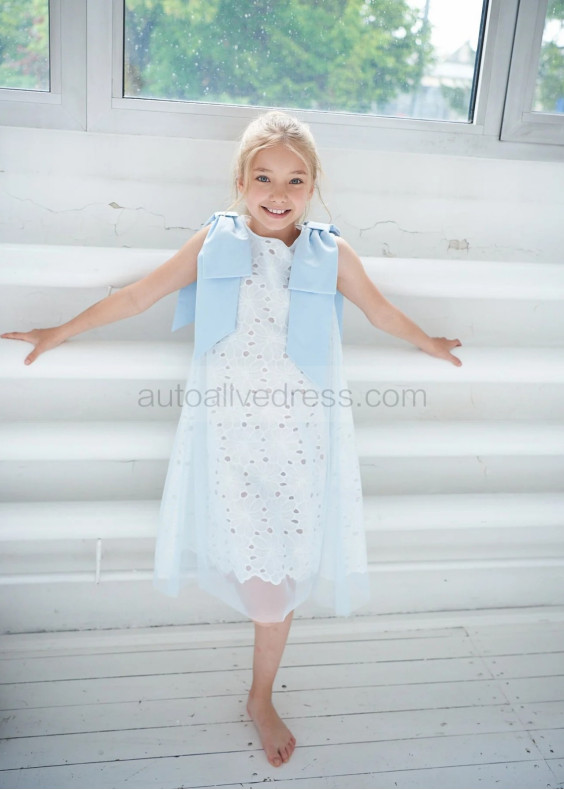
(262, 503)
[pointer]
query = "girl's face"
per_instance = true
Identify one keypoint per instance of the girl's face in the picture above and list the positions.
(277, 192)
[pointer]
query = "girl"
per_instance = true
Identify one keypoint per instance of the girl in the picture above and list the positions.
(262, 501)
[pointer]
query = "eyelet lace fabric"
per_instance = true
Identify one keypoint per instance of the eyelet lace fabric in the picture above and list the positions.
(262, 502)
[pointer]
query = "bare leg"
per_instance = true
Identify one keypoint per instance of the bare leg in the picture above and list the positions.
(277, 740)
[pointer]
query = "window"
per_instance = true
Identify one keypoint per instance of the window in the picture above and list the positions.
(405, 58)
(535, 95)
(471, 77)
(549, 86)
(24, 44)
(42, 63)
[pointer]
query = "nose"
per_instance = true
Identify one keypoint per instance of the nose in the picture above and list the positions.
(278, 193)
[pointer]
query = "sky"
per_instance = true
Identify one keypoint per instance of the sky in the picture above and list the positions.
(457, 21)
(454, 22)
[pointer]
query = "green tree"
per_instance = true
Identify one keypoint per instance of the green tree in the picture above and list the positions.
(550, 83)
(349, 55)
(331, 55)
(24, 44)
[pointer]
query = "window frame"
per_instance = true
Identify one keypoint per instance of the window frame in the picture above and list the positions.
(63, 106)
(87, 53)
(225, 121)
(520, 122)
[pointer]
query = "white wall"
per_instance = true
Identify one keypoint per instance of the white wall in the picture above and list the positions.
(66, 187)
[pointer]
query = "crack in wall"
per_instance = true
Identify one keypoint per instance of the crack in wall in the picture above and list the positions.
(392, 222)
(459, 245)
(112, 205)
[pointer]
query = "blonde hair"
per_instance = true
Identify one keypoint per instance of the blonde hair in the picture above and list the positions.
(269, 129)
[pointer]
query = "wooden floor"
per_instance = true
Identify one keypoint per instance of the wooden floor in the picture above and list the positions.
(470, 699)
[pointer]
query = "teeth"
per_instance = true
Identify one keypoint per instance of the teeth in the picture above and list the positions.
(276, 210)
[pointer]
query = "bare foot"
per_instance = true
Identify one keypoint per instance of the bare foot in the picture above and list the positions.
(277, 740)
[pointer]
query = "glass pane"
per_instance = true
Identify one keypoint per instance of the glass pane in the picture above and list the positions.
(24, 44)
(411, 58)
(549, 89)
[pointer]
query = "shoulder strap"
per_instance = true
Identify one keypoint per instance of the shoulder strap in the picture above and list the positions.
(222, 236)
(313, 298)
(217, 214)
(323, 226)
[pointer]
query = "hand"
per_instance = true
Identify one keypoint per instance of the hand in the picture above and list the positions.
(41, 339)
(441, 348)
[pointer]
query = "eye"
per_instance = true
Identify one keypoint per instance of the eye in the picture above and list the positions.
(260, 177)
(296, 181)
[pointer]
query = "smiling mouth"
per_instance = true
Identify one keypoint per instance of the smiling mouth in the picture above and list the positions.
(277, 212)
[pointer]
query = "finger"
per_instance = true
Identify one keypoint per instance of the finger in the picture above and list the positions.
(18, 336)
(455, 360)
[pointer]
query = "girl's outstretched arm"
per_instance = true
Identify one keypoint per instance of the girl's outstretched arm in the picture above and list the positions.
(173, 274)
(354, 283)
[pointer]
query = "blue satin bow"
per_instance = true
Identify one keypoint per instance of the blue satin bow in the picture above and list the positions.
(225, 257)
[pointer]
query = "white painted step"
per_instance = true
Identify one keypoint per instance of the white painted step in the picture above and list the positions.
(483, 303)
(78, 359)
(535, 563)
(462, 437)
(119, 519)
(396, 589)
(375, 401)
(151, 440)
(476, 322)
(111, 519)
(463, 511)
(47, 462)
(76, 266)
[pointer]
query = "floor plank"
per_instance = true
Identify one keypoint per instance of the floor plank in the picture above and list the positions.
(236, 681)
(557, 768)
(133, 744)
(232, 766)
(542, 689)
(21, 670)
(550, 743)
(479, 704)
(515, 775)
(526, 666)
(224, 708)
(542, 714)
